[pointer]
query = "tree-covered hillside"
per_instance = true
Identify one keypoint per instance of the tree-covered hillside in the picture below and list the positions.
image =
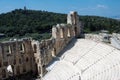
(27, 22)
(38, 24)
(96, 23)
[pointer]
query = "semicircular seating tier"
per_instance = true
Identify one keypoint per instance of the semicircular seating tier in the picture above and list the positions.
(86, 60)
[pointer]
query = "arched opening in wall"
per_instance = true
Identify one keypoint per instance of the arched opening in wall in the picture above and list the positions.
(22, 48)
(53, 52)
(35, 48)
(69, 33)
(61, 33)
(20, 61)
(3, 73)
(10, 70)
(75, 31)
(27, 59)
(18, 70)
(7, 50)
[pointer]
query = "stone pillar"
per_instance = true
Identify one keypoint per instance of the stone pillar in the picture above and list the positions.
(56, 31)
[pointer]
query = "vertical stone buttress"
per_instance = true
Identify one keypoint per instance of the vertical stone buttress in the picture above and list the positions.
(73, 19)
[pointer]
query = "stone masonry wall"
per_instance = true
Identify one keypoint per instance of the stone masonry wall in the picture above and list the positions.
(17, 54)
(62, 34)
(27, 55)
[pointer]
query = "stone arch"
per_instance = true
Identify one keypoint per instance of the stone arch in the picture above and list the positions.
(7, 49)
(27, 59)
(22, 47)
(10, 70)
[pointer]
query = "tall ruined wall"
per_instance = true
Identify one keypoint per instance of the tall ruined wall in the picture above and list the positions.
(62, 34)
(18, 55)
(43, 54)
(46, 50)
(28, 55)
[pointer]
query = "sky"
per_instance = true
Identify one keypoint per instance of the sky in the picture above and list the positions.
(107, 8)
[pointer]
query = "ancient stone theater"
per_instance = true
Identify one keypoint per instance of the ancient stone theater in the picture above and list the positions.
(67, 55)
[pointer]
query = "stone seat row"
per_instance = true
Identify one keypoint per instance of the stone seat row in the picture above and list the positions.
(96, 61)
(93, 56)
(62, 71)
(107, 69)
